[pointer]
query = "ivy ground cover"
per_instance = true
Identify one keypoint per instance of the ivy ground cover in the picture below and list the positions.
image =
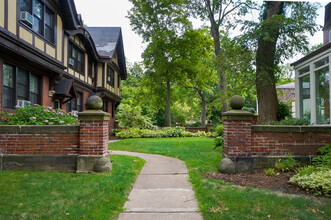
(218, 199)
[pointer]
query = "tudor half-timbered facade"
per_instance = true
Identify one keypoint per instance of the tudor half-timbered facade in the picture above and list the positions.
(48, 57)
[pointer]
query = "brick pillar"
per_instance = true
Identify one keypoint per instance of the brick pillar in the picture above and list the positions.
(237, 126)
(94, 136)
(237, 134)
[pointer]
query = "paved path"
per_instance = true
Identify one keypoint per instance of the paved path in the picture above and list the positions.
(161, 191)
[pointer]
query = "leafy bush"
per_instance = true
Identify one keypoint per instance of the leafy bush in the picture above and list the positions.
(286, 165)
(283, 111)
(159, 133)
(219, 142)
(289, 121)
(131, 117)
(302, 171)
(270, 172)
(324, 160)
(115, 131)
(219, 130)
(318, 182)
(37, 115)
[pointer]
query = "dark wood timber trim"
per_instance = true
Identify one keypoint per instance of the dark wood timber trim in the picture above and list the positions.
(6, 15)
(108, 94)
(10, 44)
(103, 74)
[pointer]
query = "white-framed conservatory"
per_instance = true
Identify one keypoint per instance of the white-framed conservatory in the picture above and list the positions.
(312, 86)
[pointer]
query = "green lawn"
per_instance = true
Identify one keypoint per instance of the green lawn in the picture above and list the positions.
(220, 200)
(55, 195)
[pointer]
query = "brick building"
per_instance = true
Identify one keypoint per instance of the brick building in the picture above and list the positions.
(48, 57)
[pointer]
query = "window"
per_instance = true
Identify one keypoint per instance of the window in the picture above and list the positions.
(305, 110)
(105, 106)
(322, 79)
(43, 18)
(110, 76)
(77, 56)
(75, 104)
(27, 86)
(90, 63)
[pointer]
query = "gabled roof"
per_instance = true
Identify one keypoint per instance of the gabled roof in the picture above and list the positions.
(107, 40)
(66, 88)
(286, 86)
(314, 53)
(69, 15)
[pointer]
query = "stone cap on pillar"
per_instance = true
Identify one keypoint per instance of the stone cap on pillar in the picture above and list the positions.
(94, 104)
(237, 114)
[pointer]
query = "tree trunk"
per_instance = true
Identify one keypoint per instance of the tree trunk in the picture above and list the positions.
(203, 108)
(215, 33)
(265, 65)
(168, 104)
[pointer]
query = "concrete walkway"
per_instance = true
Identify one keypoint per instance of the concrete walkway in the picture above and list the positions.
(161, 191)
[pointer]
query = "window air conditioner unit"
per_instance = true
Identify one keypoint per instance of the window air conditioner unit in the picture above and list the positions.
(22, 103)
(71, 61)
(26, 17)
(75, 113)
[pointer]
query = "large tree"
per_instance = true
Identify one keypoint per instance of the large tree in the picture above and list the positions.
(280, 33)
(222, 15)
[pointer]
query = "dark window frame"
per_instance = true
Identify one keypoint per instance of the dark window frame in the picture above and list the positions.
(89, 67)
(110, 76)
(74, 105)
(105, 106)
(45, 10)
(14, 93)
(73, 46)
(118, 81)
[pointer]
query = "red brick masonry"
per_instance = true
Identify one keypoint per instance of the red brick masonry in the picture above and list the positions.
(39, 140)
(90, 138)
(241, 138)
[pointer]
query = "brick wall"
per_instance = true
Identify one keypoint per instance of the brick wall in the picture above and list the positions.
(243, 138)
(273, 140)
(326, 36)
(39, 140)
(94, 137)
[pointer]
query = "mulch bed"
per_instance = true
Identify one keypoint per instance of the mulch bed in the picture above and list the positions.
(259, 179)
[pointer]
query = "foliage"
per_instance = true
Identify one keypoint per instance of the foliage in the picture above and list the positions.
(131, 117)
(219, 142)
(218, 199)
(60, 195)
(270, 172)
(160, 133)
(286, 165)
(324, 159)
(289, 121)
(37, 115)
(283, 111)
(219, 130)
(317, 178)
(304, 171)
(318, 182)
(115, 131)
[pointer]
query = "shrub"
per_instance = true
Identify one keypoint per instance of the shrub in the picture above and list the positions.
(270, 172)
(37, 115)
(289, 121)
(286, 165)
(219, 142)
(115, 131)
(283, 111)
(324, 160)
(302, 171)
(219, 130)
(159, 133)
(131, 117)
(318, 182)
